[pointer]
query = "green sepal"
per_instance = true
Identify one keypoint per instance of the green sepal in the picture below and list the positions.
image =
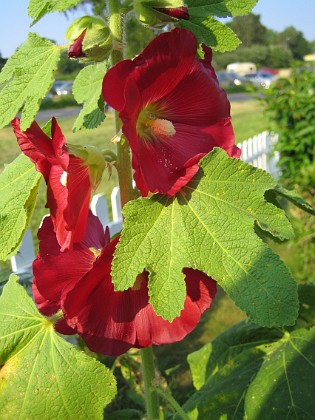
(146, 12)
(93, 158)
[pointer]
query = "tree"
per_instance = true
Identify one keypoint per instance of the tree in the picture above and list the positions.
(294, 40)
(249, 29)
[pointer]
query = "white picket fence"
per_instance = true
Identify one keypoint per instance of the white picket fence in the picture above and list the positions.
(257, 151)
(21, 263)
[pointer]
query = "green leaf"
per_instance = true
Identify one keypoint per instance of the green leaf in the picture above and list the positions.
(209, 226)
(214, 356)
(307, 305)
(282, 387)
(221, 8)
(222, 397)
(38, 8)
(210, 31)
(29, 76)
(87, 89)
(254, 373)
(295, 198)
(41, 375)
(19, 184)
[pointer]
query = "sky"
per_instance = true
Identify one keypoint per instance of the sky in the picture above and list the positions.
(275, 14)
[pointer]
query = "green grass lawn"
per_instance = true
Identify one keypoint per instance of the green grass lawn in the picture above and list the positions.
(248, 119)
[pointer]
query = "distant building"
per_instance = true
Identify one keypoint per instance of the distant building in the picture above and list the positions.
(309, 57)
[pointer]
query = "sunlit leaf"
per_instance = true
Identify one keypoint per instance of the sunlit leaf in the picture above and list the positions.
(19, 184)
(211, 32)
(42, 375)
(38, 8)
(87, 89)
(28, 75)
(209, 226)
(221, 8)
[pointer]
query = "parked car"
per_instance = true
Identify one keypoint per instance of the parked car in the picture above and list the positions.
(64, 89)
(228, 79)
(259, 79)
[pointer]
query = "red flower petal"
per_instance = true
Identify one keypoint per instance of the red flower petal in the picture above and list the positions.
(50, 308)
(67, 178)
(53, 273)
(155, 71)
(173, 111)
(177, 13)
(110, 322)
(75, 50)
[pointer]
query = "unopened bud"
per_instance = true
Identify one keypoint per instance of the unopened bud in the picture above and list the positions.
(90, 39)
(157, 13)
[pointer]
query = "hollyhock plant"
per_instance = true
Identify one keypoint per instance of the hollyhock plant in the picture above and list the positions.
(173, 111)
(78, 281)
(69, 179)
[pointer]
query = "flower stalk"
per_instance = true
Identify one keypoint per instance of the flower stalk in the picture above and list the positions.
(150, 395)
(126, 194)
(123, 150)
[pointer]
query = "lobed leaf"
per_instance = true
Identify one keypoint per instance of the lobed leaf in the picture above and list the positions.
(28, 75)
(87, 89)
(254, 373)
(214, 356)
(295, 198)
(209, 226)
(42, 375)
(19, 184)
(221, 8)
(210, 31)
(38, 8)
(281, 388)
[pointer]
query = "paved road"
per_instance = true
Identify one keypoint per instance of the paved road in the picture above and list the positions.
(239, 97)
(66, 112)
(69, 112)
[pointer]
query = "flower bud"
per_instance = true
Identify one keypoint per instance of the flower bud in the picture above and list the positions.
(90, 39)
(157, 13)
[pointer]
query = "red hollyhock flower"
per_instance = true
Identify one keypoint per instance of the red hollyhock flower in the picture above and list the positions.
(177, 13)
(78, 281)
(66, 176)
(173, 111)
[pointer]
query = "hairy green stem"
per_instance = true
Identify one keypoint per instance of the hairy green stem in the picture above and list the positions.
(170, 399)
(123, 150)
(126, 193)
(148, 372)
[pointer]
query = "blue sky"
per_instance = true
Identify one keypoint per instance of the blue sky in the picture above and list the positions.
(275, 14)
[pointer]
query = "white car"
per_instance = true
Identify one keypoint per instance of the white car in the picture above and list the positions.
(259, 79)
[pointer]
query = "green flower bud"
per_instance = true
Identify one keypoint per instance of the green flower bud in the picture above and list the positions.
(157, 13)
(90, 39)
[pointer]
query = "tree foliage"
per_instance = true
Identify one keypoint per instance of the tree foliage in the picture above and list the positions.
(249, 29)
